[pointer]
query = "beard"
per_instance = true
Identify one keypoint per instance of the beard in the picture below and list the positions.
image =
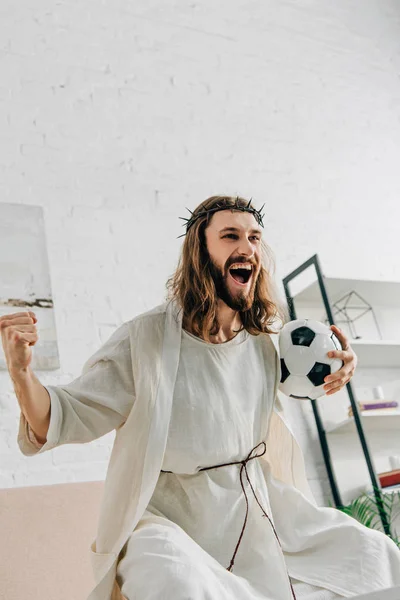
(242, 300)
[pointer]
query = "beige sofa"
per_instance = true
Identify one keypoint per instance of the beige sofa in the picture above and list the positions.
(45, 536)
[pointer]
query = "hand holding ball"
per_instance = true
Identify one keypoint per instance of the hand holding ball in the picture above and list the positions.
(304, 345)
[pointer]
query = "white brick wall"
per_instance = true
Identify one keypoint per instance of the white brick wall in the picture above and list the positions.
(114, 116)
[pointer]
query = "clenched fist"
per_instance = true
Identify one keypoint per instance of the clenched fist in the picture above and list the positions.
(18, 334)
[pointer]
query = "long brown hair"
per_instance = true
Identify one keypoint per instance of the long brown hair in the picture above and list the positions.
(193, 286)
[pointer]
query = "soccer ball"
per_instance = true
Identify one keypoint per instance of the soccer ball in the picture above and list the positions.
(304, 345)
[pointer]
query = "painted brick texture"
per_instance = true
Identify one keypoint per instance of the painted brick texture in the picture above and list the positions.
(115, 115)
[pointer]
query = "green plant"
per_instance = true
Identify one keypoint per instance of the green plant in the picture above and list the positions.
(364, 509)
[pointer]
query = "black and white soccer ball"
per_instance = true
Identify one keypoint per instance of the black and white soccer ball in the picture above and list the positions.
(304, 345)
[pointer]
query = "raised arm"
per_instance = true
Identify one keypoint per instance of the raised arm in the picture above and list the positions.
(95, 403)
(18, 332)
(34, 402)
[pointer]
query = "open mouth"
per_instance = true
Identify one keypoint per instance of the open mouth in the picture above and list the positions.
(241, 274)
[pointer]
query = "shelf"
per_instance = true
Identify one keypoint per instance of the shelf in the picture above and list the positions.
(391, 421)
(377, 293)
(377, 353)
(393, 491)
(385, 491)
(384, 297)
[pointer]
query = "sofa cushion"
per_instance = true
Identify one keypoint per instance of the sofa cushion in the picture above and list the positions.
(46, 532)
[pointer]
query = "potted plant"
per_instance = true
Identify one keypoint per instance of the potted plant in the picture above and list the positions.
(365, 510)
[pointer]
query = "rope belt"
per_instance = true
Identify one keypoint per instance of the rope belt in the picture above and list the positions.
(243, 469)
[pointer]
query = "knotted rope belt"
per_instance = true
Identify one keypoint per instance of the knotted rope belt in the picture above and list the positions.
(243, 470)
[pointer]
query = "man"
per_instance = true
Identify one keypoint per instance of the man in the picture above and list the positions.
(206, 495)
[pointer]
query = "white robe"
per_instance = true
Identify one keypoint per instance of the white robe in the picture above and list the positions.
(128, 386)
(186, 540)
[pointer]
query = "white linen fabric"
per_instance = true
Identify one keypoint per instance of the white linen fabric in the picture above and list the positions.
(182, 547)
(128, 385)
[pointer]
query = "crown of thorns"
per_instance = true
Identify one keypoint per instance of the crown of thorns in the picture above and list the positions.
(220, 206)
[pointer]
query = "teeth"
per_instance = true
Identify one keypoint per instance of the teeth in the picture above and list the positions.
(240, 266)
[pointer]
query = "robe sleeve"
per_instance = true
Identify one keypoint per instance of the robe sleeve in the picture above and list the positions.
(93, 404)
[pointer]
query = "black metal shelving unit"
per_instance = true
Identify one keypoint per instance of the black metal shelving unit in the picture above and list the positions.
(314, 262)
